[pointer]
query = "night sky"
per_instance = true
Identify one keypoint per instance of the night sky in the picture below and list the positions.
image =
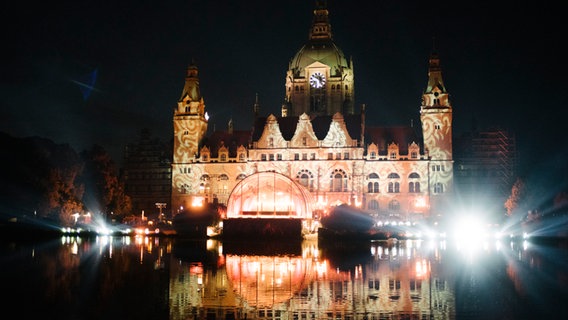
(503, 64)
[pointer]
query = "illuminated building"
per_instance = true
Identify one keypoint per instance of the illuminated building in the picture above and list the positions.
(319, 147)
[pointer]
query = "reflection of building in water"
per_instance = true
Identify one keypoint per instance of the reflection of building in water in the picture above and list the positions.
(396, 281)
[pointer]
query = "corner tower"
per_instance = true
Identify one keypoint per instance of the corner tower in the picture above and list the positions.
(319, 80)
(436, 118)
(190, 125)
(190, 118)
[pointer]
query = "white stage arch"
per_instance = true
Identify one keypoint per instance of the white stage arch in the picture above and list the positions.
(269, 195)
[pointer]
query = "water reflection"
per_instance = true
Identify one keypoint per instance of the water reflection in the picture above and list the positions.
(168, 278)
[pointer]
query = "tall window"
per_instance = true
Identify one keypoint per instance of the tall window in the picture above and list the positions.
(306, 178)
(223, 187)
(373, 185)
(394, 205)
(373, 205)
(414, 183)
(394, 183)
(338, 181)
(438, 187)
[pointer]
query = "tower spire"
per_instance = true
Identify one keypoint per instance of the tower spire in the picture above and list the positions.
(256, 107)
(191, 87)
(321, 28)
(435, 95)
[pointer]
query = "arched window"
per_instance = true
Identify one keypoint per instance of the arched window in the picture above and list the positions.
(373, 185)
(394, 206)
(414, 184)
(373, 205)
(338, 181)
(241, 176)
(306, 178)
(394, 184)
(394, 187)
(223, 186)
(438, 187)
(204, 188)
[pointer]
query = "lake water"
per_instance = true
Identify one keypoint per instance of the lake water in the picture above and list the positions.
(170, 278)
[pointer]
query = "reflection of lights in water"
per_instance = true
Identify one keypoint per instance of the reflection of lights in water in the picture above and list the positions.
(422, 268)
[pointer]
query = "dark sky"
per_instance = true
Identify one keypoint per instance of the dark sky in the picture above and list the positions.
(503, 64)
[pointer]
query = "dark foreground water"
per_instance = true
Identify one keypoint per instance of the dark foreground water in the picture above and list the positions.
(169, 278)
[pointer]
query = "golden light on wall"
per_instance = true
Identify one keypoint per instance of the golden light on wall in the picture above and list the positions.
(421, 202)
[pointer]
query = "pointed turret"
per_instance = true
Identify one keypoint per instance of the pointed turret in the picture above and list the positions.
(191, 87)
(435, 94)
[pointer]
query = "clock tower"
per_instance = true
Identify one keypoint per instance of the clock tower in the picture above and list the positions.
(319, 80)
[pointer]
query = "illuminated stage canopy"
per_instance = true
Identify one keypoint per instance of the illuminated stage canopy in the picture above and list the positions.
(269, 195)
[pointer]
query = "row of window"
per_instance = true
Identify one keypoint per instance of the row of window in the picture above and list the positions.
(393, 187)
(339, 181)
(223, 157)
(304, 156)
(338, 185)
(393, 205)
(298, 88)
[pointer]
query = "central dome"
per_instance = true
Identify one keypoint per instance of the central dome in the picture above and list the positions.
(323, 51)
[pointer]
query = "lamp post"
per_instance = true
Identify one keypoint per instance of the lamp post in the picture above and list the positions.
(161, 206)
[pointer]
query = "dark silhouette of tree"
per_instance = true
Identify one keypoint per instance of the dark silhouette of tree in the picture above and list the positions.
(104, 191)
(39, 179)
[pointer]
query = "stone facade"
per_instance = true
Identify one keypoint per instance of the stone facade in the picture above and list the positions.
(320, 143)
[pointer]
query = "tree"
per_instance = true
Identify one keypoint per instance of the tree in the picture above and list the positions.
(518, 193)
(63, 191)
(105, 192)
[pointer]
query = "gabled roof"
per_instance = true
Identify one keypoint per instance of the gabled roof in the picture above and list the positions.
(320, 124)
(403, 136)
(223, 138)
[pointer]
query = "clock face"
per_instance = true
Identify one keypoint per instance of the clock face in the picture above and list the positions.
(317, 80)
